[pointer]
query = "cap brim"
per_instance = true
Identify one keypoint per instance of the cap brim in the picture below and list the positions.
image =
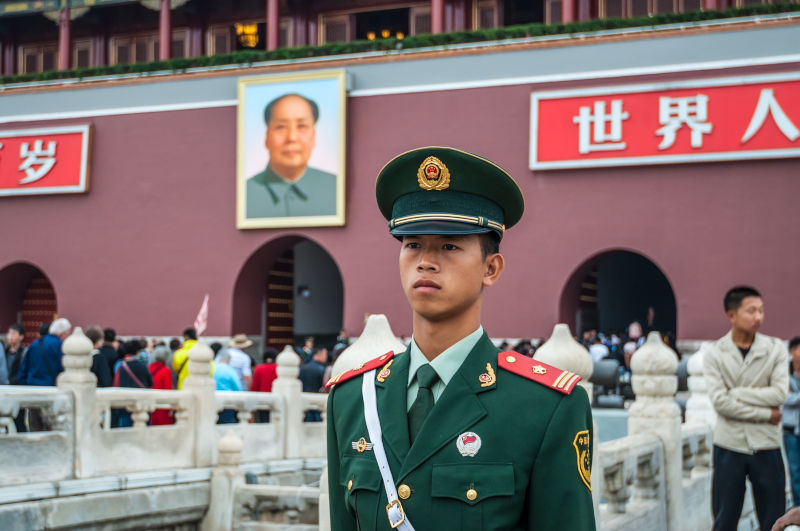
(437, 227)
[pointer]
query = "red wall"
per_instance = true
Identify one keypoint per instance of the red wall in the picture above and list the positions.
(157, 229)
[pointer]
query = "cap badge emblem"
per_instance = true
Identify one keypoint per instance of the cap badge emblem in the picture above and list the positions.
(468, 444)
(433, 174)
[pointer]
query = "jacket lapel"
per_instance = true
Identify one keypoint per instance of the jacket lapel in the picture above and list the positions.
(391, 396)
(457, 409)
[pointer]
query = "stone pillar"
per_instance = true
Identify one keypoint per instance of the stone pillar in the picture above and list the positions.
(164, 31)
(562, 351)
(287, 385)
(202, 386)
(567, 11)
(377, 338)
(273, 25)
(437, 16)
(655, 412)
(225, 478)
(699, 409)
(82, 383)
(711, 5)
(64, 41)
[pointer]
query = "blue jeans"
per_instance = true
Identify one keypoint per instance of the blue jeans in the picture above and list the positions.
(792, 444)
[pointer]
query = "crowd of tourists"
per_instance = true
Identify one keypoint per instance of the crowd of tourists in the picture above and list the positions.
(147, 363)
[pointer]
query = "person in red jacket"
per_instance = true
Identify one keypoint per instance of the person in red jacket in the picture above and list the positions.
(162, 379)
(263, 376)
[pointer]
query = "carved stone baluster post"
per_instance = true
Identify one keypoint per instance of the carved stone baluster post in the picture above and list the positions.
(204, 418)
(287, 385)
(82, 383)
(699, 409)
(225, 478)
(562, 351)
(655, 411)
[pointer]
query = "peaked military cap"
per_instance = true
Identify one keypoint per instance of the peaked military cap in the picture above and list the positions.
(443, 190)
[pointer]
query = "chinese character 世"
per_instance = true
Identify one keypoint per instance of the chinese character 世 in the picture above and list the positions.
(44, 159)
(592, 135)
(673, 113)
(767, 104)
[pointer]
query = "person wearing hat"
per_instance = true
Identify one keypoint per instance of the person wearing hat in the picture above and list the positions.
(240, 361)
(451, 433)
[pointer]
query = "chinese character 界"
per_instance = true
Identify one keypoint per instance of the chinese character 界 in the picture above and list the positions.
(44, 159)
(674, 112)
(592, 135)
(767, 104)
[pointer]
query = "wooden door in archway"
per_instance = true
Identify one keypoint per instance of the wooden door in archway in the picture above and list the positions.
(38, 306)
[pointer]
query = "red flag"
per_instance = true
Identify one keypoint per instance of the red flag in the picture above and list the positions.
(202, 317)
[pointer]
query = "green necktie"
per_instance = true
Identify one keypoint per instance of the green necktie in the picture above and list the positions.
(426, 377)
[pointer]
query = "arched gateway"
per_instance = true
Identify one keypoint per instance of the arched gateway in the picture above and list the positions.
(28, 298)
(613, 288)
(288, 289)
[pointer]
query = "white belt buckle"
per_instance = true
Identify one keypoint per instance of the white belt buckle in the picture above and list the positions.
(395, 503)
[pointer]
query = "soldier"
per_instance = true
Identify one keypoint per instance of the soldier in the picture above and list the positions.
(451, 433)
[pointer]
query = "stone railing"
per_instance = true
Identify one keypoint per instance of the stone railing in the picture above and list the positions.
(80, 442)
(658, 477)
(633, 483)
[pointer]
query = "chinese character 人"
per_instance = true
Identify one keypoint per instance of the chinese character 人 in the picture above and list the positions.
(767, 104)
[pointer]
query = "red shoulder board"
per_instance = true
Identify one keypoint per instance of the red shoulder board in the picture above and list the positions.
(547, 375)
(380, 361)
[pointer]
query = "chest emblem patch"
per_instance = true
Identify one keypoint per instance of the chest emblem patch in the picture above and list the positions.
(468, 444)
(583, 454)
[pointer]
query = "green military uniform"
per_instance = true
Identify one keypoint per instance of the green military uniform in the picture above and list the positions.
(269, 195)
(507, 442)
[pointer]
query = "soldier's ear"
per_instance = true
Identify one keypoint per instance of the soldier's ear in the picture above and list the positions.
(493, 268)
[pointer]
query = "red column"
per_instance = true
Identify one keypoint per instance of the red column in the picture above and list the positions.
(164, 31)
(711, 4)
(63, 39)
(273, 25)
(567, 11)
(437, 16)
(9, 55)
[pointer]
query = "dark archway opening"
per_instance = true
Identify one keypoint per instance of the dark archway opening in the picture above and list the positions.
(28, 298)
(290, 288)
(614, 288)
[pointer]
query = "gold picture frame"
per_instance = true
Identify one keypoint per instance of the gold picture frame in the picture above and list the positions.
(284, 177)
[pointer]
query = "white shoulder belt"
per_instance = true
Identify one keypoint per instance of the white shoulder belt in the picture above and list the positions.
(394, 509)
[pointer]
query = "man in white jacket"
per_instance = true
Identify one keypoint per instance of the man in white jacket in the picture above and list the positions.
(747, 378)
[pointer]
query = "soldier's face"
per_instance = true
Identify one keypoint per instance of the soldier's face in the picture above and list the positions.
(290, 136)
(443, 276)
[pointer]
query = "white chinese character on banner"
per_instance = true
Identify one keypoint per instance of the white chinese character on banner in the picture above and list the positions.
(592, 135)
(44, 159)
(767, 104)
(673, 113)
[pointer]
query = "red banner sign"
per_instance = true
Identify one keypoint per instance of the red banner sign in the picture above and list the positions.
(751, 117)
(52, 160)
